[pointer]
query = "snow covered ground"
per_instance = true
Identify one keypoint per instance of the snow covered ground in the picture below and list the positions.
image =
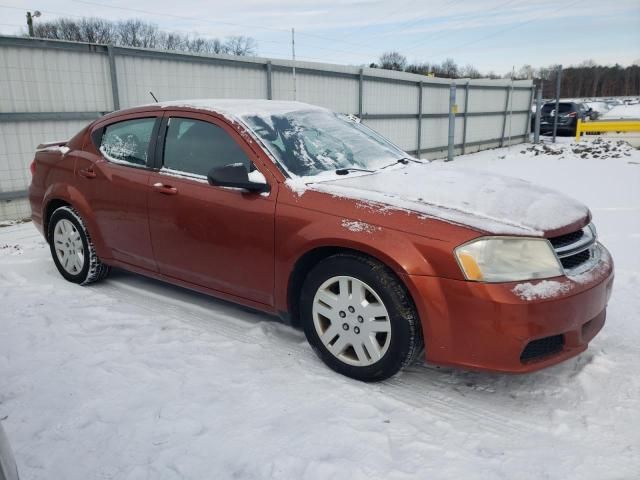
(623, 111)
(135, 379)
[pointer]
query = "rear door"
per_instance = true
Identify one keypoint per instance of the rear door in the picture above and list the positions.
(216, 237)
(113, 174)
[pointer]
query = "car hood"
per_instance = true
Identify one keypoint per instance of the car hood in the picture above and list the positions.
(483, 201)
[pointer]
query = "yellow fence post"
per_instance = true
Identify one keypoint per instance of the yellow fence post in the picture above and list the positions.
(578, 125)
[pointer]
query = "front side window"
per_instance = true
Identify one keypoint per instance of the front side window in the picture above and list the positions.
(195, 147)
(128, 141)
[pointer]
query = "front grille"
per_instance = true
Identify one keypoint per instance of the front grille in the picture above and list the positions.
(568, 239)
(573, 261)
(542, 348)
(574, 249)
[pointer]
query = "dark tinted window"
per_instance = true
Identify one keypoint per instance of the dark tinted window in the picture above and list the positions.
(128, 141)
(564, 108)
(194, 146)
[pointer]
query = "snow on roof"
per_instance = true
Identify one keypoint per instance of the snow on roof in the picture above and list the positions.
(242, 107)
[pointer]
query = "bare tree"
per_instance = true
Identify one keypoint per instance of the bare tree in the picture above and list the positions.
(469, 71)
(137, 33)
(449, 68)
(419, 68)
(393, 61)
(241, 45)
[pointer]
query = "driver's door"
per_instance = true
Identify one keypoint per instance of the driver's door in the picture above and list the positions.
(216, 237)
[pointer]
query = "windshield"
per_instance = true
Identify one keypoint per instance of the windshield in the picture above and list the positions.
(309, 142)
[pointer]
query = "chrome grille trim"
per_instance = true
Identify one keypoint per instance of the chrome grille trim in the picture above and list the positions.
(587, 242)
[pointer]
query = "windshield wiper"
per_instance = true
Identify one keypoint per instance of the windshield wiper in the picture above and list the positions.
(403, 161)
(345, 171)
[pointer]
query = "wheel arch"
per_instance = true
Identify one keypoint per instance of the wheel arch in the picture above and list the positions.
(64, 195)
(309, 259)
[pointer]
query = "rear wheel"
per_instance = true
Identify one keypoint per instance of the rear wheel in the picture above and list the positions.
(359, 318)
(71, 248)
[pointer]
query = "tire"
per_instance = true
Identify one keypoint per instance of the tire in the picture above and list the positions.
(359, 318)
(71, 248)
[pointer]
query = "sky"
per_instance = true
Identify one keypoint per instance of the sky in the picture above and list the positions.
(492, 35)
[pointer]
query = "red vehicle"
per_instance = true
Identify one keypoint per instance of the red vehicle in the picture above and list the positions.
(297, 211)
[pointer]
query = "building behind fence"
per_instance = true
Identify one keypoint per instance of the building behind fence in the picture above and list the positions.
(50, 89)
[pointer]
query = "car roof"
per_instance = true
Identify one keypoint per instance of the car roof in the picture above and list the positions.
(230, 107)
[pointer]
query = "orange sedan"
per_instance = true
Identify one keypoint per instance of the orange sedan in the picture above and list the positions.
(298, 211)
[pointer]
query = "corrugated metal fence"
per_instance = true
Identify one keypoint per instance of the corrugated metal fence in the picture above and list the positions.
(50, 89)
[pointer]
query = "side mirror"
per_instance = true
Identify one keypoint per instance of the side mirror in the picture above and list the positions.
(235, 176)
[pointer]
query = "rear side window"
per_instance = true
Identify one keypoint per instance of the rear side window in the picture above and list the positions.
(128, 141)
(195, 147)
(549, 107)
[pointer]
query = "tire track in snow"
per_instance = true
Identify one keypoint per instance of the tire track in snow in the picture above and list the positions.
(239, 324)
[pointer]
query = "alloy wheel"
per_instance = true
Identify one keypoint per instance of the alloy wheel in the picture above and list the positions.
(351, 321)
(68, 246)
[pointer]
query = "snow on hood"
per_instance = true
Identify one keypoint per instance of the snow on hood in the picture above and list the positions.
(480, 200)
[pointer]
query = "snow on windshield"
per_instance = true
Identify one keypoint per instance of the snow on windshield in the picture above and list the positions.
(309, 142)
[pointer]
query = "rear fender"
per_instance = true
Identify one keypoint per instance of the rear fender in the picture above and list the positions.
(72, 196)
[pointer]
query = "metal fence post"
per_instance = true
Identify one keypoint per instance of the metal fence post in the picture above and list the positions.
(528, 126)
(555, 117)
(269, 85)
(536, 131)
(452, 122)
(506, 112)
(360, 92)
(464, 119)
(419, 119)
(114, 77)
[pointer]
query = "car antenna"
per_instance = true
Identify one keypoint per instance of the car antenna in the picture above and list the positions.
(154, 97)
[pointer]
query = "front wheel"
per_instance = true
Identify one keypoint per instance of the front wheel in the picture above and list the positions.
(359, 318)
(72, 249)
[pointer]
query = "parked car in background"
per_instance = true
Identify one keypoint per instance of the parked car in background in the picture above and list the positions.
(568, 115)
(298, 211)
(8, 468)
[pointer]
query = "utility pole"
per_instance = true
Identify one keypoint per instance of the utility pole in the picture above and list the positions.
(293, 56)
(30, 18)
(555, 117)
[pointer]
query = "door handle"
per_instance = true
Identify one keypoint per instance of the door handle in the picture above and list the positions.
(87, 173)
(165, 189)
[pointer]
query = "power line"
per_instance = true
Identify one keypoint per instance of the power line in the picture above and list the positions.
(149, 12)
(512, 27)
(200, 19)
(445, 33)
(23, 9)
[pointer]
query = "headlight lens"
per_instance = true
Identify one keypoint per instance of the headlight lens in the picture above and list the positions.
(504, 259)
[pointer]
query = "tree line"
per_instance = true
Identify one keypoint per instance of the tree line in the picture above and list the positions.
(137, 33)
(590, 80)
(584, 80)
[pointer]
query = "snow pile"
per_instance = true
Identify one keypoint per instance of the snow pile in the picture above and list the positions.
(623, 112)
(541, 290)
(601, 148)
(7, 249)
(355, 226)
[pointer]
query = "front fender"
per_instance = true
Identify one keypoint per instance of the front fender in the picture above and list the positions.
(300, 231)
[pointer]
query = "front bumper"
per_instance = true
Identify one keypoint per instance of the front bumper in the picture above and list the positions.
(488, 326)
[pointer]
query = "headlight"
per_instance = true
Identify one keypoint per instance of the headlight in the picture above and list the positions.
(505, 259)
